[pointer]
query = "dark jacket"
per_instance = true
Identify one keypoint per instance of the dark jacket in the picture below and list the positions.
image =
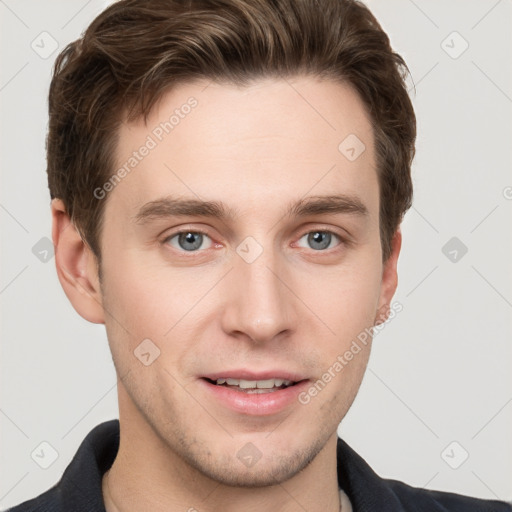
(79, 489)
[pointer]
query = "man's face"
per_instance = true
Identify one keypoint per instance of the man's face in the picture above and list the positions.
(259, 294)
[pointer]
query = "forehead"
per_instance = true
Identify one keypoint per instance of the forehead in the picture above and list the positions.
(267, 143)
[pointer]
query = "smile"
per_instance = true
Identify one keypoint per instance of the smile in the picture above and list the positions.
(261, 395)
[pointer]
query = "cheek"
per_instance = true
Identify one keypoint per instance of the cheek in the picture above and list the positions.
(144, 300)
(347, 297)
(148, 299)
(133, 307)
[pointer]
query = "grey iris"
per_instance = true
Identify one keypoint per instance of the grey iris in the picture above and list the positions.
(188, 238)
(319, 237)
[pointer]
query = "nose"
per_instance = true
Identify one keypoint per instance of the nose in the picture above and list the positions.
(260, 304)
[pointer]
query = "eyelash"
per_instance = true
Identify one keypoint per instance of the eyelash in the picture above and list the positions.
(342, 240)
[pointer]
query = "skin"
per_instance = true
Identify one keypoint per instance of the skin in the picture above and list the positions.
(295, 307)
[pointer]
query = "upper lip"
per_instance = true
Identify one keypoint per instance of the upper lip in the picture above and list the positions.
(254, 375)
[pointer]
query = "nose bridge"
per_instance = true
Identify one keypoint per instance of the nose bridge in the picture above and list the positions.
(259, 304)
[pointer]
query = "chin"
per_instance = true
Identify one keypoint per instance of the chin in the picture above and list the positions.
(251, 467)
(264, 473)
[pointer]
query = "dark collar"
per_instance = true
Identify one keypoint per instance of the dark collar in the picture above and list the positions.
(80, 486)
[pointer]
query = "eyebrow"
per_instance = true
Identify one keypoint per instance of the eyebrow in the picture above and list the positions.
(313, 205)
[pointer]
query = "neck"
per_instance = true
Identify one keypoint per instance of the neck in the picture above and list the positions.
(148, 475)
(285, 503)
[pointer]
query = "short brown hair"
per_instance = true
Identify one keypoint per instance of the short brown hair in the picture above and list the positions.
(135, 51)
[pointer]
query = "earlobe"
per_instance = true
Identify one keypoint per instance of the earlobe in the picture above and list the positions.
(76, 265)
(389, 280)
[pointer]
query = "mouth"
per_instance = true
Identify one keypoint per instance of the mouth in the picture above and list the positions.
(257, 394)
(253, 386)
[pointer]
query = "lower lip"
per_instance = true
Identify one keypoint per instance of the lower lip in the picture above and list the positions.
(255, 404)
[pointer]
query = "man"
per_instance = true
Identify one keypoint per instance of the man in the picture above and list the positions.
(228, 180)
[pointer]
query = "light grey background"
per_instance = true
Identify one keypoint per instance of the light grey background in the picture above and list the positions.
(439, 372)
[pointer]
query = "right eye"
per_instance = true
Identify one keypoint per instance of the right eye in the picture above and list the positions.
(187, 240)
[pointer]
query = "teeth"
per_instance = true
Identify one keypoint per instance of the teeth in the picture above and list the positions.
(247, 384)
(267, 384)
(252, 384)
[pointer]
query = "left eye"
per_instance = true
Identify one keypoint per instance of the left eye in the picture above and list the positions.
(188, 240)
(320, 240)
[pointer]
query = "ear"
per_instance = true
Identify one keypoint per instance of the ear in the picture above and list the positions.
(389, 279)
(77, 266)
